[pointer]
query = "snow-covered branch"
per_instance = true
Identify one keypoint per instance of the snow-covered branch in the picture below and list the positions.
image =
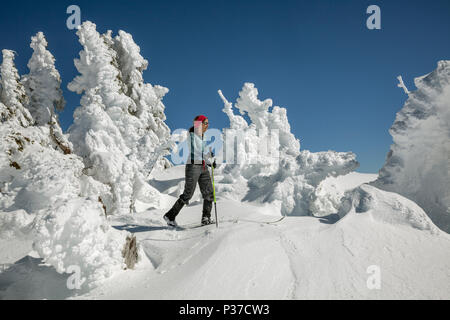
(402, 85)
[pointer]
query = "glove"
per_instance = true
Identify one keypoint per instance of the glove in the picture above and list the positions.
(214, 165)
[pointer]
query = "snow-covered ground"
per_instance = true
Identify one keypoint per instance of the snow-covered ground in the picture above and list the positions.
(383, 247)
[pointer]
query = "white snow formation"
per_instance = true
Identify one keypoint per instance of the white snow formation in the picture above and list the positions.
(269, 161)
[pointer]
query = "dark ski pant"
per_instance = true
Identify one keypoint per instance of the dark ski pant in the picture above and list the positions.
(194, 173)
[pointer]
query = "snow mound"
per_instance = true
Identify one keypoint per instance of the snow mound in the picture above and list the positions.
(15, 224)
(385, 207)
(75, 234)
(331, 190)
(417, 165)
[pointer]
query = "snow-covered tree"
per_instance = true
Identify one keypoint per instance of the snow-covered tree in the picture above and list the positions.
(3, 110)
(46, 198)
(417, 165)
(269, 166)
(45, 195)
(43, 82)
(93, 133)
(118, 128)
(151, 139)
(43, 87)
(13, 96)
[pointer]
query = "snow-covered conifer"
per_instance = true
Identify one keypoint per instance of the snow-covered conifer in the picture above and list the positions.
(43, 82)
(417, 165)
(287, 177)
(13, 96)
(107, 130)
(45, 197)
(43, 87)
(151, 138)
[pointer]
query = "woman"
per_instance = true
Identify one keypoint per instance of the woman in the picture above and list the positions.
(195, 171)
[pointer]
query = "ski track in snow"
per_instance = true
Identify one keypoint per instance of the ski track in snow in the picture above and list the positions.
(293, 255)
(295, 265)
(189, 255)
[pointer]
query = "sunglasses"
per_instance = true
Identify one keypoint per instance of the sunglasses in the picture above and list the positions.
(205, 123)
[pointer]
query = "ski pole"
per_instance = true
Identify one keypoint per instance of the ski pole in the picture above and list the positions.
(214, 195)
(214, 190)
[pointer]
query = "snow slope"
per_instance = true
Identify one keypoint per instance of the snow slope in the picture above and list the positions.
(298, 257)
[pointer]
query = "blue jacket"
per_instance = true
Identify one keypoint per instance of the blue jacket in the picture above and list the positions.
(197, 148)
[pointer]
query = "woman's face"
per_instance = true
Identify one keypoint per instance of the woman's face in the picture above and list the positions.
(200, 128)
(205, 125)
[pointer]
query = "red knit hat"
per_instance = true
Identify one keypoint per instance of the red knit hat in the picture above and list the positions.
(200, 118)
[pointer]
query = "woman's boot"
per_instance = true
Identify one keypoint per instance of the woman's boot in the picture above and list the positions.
(206, 216)
(173, 212)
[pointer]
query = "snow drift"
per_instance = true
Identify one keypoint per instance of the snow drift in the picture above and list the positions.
(417, 165)
(386, 207)
(75, 233)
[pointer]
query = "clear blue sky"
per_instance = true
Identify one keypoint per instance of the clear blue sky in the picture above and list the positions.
(336, 78)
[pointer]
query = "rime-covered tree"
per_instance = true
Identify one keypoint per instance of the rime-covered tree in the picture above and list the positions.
(417, 165)
(13, 95)
(111, 127)
(45, 197)
(43, 87)
(268, 163)
(150, 140)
